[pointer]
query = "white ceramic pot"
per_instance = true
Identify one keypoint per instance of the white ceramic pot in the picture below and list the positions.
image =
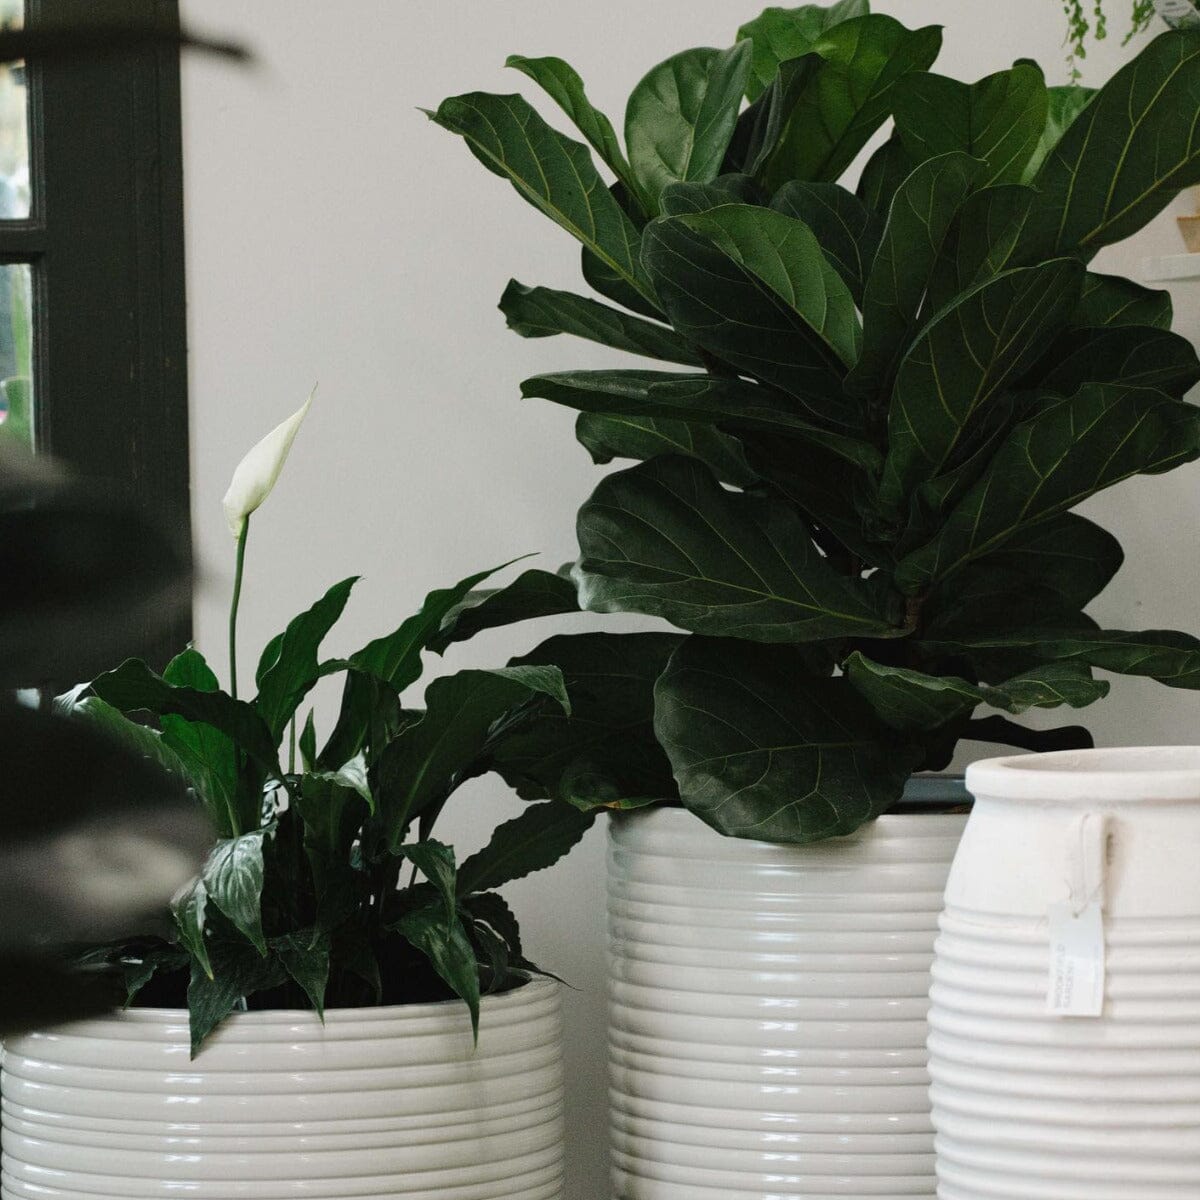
(767, 1018)
(1076, 891)
(379, 1102)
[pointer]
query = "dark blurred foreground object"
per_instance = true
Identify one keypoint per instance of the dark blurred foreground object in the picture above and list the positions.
(96, 837)
(87, 41)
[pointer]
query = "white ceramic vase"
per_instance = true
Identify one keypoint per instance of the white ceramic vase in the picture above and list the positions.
(1065, 1025)
(382, 1102)
(767, 1015)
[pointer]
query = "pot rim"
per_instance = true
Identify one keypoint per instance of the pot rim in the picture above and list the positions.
(1116, 775)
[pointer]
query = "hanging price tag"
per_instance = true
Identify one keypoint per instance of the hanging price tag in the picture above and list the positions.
(1076, 961)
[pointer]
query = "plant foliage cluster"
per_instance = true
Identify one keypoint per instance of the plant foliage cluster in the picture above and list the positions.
(868, 413)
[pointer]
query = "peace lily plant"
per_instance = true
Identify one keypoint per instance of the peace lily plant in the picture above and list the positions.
(325, 886)
(869, 409)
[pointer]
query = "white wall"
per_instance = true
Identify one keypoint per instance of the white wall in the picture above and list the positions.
(336, 235)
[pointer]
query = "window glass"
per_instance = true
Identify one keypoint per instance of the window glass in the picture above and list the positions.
(14, 125)
(16, 363)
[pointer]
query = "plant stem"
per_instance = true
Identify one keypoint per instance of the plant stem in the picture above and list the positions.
(233, 606)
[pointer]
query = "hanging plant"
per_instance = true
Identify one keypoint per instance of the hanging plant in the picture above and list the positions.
(1087, 19)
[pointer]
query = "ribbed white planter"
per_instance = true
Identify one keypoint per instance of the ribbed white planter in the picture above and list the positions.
(1032, 1105)
(382, 1102)
(767, 1018)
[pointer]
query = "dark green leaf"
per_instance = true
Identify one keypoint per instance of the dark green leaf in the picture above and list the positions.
(764, 749)
(681, 199)
(435, 860)
(536, 839)
(146, 742)
(983, 241)
(449, 950)
(490, 909)
(667, 540)
(543, 312)
(1064, 105)
(308, 743)
(1064, 453)
(882, 175)
(606, 437)
(295, 668)
(1133, 355)
(1114, 300)
(562, 84)
(233, 881)
(553, 172)
(427, 760)
(920, 218)
(760, 126)
(680, 117)
(238, 970)
(732, 404)
(849, 97)
(847, 231)
(998, 120)
(778, 34)
(532, 594)
(305, 957)
(604, 752)
(333, 806)
(1125, 156)
(963, 359)
(188, 909)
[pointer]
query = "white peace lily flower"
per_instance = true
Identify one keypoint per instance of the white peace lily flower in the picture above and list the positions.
(256, 474)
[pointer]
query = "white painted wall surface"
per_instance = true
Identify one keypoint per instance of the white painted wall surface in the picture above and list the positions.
(334, 234)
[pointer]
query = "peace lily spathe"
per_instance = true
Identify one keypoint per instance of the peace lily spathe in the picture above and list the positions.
(256, 474)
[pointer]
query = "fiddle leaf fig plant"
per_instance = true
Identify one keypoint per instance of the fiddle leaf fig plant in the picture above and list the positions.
(868, 413)
(326, 886)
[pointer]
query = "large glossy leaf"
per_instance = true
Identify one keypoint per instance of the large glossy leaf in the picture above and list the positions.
(1134, 355)
(1064, 453)
(912, 702)
(536, 839)
(681, 199)
(532, 594)
(604, 752)
(238, 971)
(983, 241)
(760, 126)
(1064, 104)
(305, 957)
(428, 759)
(562, 84)
(681, 116)
(793, 326)
(732, 404)
(762, 748)
(999, 120)
(667, 540)
(289, 678)
(553, 172)
(920, 218)
(963, 359)
(543, 312)
(449, 951)
(435, 860)
(779, 34)
(882, 175)
(846, 230)
(606, 437)
(233, 881)
(1115, 300)
(141, 739)
(188, 910)
(1125, 156)
(332, 806)
(849, 97)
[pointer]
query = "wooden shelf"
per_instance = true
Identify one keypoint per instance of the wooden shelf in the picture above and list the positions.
(1169, 268)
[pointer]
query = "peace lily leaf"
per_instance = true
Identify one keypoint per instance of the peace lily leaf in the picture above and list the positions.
(532, 594)
(1064, 105)
(435, 860)
(1134, 355)
(308, 743)
(305, 957)
(1125, 156)
(910, 701)
(1113, 300)
(562, 84)
(681, 116)
(536, 839)
(188, 910)
(763, 749)
(964, 358)
(491, 909)
(850, 96)
(794, 326)
(1064, 453)
(552, 172)
(238, 971)
(606, 436)
(666, 539)
(427, 760)
(921, 215)
(604, 752)
(731, 403)
(449, 950)
(680, 199)
(782, 33)
(140, 739)
(847, 231)
(233, 881)
(332, 806)
(292, 674)
(999, 120)
(544, 312)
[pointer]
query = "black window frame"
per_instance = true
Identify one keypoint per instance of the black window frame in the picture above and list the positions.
(105, 242)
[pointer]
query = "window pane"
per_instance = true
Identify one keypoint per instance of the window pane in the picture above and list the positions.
(16, 369)
(14, 125)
